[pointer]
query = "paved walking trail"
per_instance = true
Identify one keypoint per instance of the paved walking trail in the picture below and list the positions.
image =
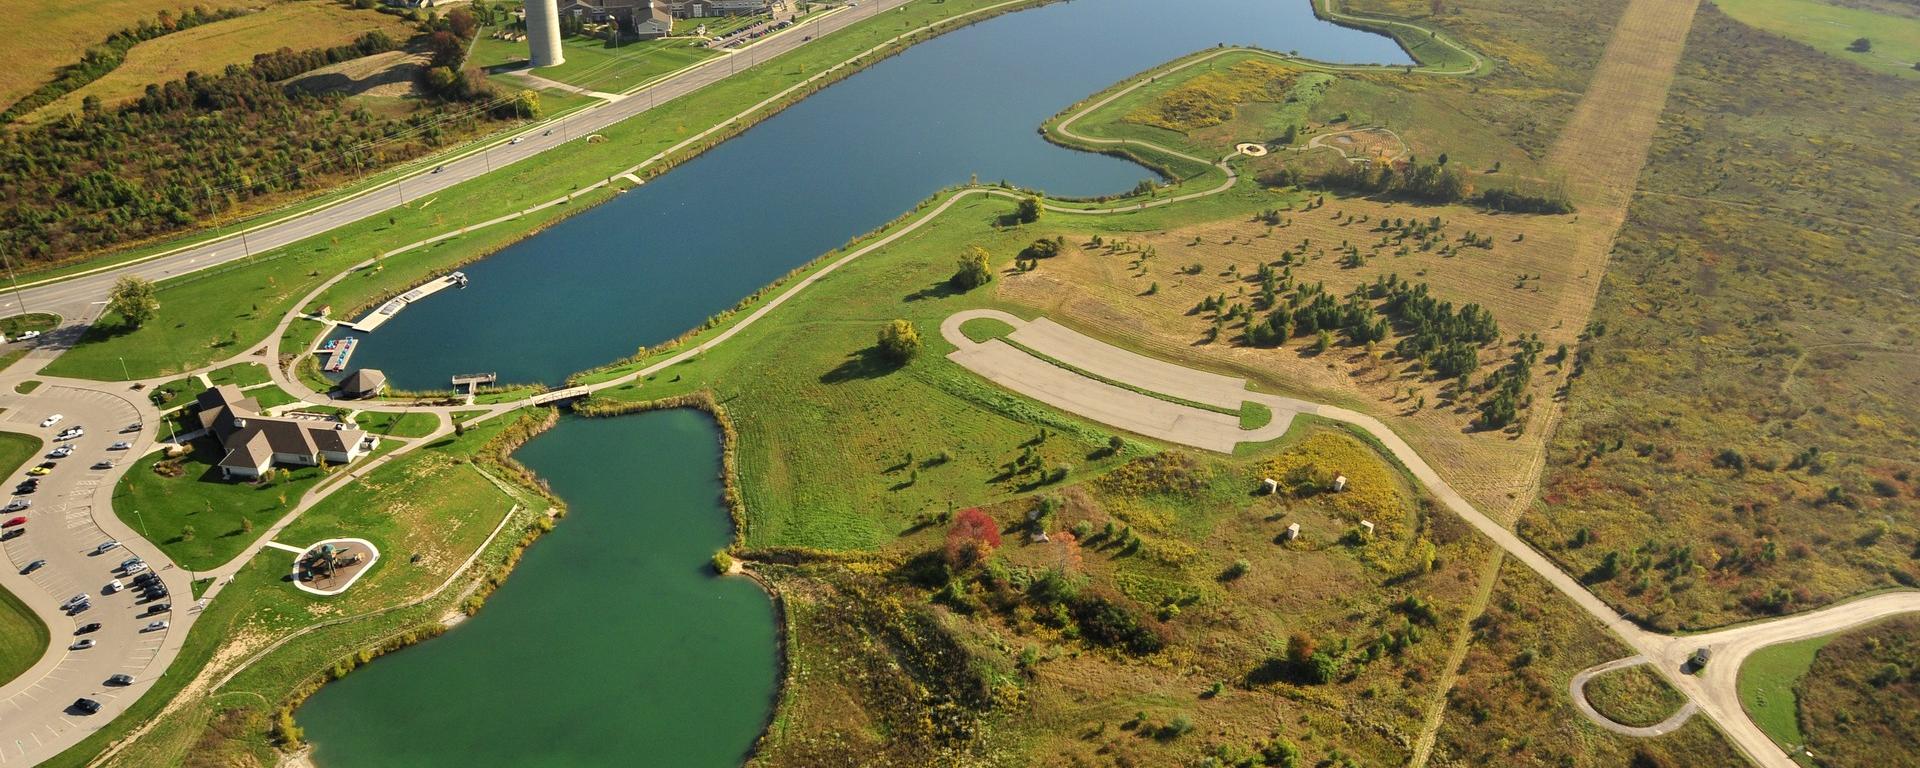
(1663, 20)
(1713, 693)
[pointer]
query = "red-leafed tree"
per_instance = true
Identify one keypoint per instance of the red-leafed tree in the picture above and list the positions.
(974, 535)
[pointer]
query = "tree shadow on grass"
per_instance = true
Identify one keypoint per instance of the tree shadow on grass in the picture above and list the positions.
(939, 290)
(863, 364)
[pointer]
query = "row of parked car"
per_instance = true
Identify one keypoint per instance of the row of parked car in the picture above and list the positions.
(132, 574)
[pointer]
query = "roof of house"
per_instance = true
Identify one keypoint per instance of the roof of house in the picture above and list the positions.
(365, 381)
(251, 453)
(249, 435)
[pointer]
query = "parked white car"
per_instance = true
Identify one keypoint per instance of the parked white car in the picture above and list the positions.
(156, 626)
(51, 420)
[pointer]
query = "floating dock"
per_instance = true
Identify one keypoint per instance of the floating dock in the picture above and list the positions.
(338, 352)
(473, 381)
(386, 311)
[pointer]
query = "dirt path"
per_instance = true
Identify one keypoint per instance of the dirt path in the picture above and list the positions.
(1601, 153)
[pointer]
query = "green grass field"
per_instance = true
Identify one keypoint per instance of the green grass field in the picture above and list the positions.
(590, 64)
(1832, 28)
(398, 424)
(1767, 683)
(241, 375)
(221, 513)
(23, 637)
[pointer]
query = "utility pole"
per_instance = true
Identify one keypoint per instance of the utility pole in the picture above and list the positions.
(16, 283)
(244, 248)
(123, 370)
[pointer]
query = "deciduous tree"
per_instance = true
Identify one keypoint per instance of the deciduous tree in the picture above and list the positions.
(133, 299)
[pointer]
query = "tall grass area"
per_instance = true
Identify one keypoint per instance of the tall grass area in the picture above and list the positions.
(1857, 700)
(1739, 425)
(1509, 705)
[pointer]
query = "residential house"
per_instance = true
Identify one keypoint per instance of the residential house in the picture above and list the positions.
(253, 442)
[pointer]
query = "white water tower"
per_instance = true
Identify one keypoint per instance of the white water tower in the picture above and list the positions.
(543, 33)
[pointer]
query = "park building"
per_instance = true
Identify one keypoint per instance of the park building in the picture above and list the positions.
(636, 19)
(252, 442)
(694, 9)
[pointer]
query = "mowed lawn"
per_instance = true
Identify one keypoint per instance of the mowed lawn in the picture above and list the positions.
(62, 32)
(22, 635)
(219, 513)
(592, 65)
(1831, 28)
(1766, 686)
(209, 48)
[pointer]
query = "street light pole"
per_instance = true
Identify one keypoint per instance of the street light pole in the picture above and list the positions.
(16, 283)
(123, 370)
(143, 524)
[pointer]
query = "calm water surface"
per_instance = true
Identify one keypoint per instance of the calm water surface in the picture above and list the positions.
(611, 646)
(658, 260)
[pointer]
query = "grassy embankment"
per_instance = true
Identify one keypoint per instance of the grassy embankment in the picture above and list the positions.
(210, 48)
(212, 314)
(1856, 702)
(23, 637)
(1741, 433)
(1768, 685)
(1831, 28)
(433, 503)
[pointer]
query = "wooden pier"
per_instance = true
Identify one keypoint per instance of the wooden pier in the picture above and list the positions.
(473, 381)
(386, 311)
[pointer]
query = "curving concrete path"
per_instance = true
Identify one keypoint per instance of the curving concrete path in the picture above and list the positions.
(1713, 692)
(1578, 690)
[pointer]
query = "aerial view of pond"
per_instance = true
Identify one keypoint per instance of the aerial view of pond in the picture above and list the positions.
(660, 259)
(611, 644)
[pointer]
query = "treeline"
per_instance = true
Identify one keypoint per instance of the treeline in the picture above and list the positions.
(194, 148)
(105, 57)
(287, 63)
(1432, 183)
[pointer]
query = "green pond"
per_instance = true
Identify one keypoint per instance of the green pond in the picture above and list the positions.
(613, 643)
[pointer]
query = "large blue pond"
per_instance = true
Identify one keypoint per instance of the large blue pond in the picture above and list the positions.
(659, 260)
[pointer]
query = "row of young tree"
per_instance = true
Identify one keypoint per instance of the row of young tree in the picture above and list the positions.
(193, 148)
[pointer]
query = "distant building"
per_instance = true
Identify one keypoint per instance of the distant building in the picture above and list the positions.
(253, 442)
(363, 383)
(691, 9)
(637, 19)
